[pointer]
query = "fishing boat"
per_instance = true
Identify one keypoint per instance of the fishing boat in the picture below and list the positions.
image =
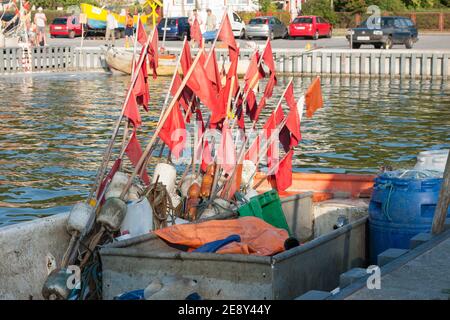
(119, 61)
(96, 17)
(33, 249)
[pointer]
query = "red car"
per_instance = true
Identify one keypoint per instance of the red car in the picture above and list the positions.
(66, 27)
(310, 26)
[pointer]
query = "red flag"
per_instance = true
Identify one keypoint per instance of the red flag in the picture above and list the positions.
(153, 53)
(173, 138)
(202, 150)
(268, 91)
(196, 33)
(313, 98)
(109, 177)
(212, 70)
(253, 71)
(293, 120)
(267, 57)
(132, 111)
(186, 58)
(282, 179)
(141, 35)
(271, 124)
(226, 35)
(134, 153)
(227, 152)
(185, 96)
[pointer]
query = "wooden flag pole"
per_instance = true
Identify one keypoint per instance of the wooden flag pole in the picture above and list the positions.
(107, 154)
(160, 124)
(443, 202)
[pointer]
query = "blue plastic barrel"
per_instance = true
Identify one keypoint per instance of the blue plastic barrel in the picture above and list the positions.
(399, 209)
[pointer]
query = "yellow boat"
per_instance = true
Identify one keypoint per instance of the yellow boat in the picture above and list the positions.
(96, 17)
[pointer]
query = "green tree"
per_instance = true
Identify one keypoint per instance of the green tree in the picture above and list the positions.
(267, 6)
(319, 8)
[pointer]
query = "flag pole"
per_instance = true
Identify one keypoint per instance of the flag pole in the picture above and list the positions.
(108, 150)
(134, 48)
(160, 124)
(242, 150)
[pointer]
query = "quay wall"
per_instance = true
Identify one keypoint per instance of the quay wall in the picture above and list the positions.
(346, 62)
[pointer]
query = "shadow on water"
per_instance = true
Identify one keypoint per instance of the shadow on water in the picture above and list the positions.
(53, 129)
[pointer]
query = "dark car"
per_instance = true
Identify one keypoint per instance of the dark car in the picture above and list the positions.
(175, 28)
(384, 32)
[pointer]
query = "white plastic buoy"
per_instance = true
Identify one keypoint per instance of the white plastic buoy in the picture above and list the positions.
(139, 218)
(81, 218)
(118, 183)
(248, 170)
(167, 176)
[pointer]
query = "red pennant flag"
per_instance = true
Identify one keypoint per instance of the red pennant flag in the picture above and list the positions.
(267, 57)
(186, 94)
(227, 152)
(134, 153)
(212, 70)
(313, 98)
(196, 33)
(153, 53)
(282, 179)
(253, 72)
(173, 138)
(186, 58)
(141, 35)
(226, 35)
(132, 111)
(202, 150)
(271, 124)
(293, 120)
(268, 91)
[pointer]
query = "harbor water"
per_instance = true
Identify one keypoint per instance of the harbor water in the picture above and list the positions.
(54, 128)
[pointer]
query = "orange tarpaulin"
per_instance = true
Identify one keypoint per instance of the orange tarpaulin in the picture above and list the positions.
(257, 236)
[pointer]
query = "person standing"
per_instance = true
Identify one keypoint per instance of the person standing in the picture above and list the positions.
(129, 28)
(110, 28)
(211, 21)
(40, 20)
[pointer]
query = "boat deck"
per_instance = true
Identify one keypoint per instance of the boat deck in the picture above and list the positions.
(424, 277)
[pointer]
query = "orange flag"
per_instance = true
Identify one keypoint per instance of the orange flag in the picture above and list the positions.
(313, 98)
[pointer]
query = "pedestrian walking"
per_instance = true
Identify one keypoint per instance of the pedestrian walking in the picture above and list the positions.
(41, 20)
(211, 21)
(129, 28)
(111, 25)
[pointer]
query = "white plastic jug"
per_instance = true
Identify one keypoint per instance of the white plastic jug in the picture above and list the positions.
(139, 218)
(432, 160)
(167, 176)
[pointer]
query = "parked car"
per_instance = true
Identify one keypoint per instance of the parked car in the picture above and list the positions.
(176, 28)
(384, 32)
(266, 27)
(237, 25)
(310, 26)
(66, 27)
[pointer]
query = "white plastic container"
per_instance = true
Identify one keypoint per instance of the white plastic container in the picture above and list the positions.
(118, 183)
(139, 218)
(432, 160)
(167, 176)
(81, 218)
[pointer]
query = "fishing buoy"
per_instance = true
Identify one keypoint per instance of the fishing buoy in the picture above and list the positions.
(187, 182)
(207, 182)
(55, 286)
(112, 214)
(193, 201)
(81, 218)
(118, 183)
(166, 174)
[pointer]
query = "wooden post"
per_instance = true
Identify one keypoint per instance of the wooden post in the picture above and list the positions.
(441, 21)
(443, 202)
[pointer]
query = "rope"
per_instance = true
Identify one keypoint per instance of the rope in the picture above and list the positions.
(161, 203)
(386, 206)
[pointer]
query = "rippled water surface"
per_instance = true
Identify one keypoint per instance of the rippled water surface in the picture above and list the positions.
(53, 129)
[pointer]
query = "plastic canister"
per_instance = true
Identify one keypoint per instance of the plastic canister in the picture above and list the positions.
(432, 160)
(139, 218)
(167, 176)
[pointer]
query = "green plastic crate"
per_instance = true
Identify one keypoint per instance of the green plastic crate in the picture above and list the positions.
(266, 206)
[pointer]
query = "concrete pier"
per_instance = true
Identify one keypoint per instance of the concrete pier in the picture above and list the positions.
(342, 62)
